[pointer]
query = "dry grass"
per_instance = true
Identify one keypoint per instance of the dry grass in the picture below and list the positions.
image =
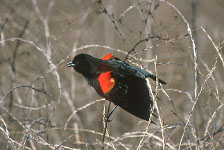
(45, 105)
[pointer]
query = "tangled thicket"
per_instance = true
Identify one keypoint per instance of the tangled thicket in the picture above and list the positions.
(45, 105)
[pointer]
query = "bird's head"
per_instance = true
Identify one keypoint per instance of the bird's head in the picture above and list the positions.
(83, 63)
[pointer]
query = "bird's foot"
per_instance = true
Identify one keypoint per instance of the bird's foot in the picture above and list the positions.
(106, 118)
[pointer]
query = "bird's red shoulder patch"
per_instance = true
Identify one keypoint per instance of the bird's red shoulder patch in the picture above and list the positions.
(106, 82)
(108, 56)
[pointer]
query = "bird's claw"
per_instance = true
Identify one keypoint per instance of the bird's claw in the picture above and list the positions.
(106, 118)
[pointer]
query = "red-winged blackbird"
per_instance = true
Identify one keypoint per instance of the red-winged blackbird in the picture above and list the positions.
(117, 81)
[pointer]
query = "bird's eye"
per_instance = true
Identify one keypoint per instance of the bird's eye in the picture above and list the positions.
(76, 62)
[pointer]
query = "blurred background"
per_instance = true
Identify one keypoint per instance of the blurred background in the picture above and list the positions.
(46, 105)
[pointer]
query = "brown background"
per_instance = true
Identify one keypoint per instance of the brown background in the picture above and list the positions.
(39, 93)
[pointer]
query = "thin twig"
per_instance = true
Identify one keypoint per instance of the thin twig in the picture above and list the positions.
(22, 86)
(105, 126)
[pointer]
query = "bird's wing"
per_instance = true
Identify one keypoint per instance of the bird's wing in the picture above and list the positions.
(132, 95)
(129, 70)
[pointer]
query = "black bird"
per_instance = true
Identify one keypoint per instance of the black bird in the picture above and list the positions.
(118, 82)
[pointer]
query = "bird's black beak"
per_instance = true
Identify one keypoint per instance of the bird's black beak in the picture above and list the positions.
(70, 64)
